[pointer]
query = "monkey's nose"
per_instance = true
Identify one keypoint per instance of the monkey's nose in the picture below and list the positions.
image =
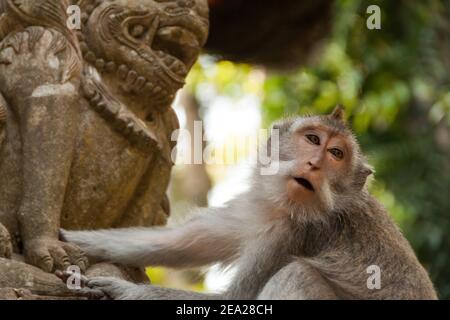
(313, 165)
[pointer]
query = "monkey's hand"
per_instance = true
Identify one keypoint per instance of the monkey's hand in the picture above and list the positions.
(116, 289)
(5, 243)
(51, 254)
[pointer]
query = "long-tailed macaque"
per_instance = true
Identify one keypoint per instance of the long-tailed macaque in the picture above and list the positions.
(310, 231)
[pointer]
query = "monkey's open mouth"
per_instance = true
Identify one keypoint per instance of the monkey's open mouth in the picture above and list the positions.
(305, 183)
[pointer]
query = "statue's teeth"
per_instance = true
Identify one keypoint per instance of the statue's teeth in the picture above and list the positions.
(156, 90)
(134, 54)
(84, 17)
(148, 87)
(110, 66)
(129, 128)
(132, 75)
(140, 82)
(96, 99)
(89, 8)
(123, 71)
(169, 60)
(89, 92)
(90, 57)
(100, 64)
(101, 106)
(121, 125)
(115, 111)
(83, 47)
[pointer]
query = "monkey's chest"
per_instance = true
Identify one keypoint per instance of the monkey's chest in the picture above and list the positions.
(106, 173)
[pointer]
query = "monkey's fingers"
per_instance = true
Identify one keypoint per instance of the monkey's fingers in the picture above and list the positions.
(112, 287)
(92, 294)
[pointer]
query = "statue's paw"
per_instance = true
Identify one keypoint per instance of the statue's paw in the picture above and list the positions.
(51, 255)
(5, 243)
(114, 288)
(36, 56)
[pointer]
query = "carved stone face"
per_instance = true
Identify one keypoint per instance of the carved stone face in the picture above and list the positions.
(151, 45)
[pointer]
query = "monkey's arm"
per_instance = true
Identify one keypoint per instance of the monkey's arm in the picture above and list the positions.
(213, 236)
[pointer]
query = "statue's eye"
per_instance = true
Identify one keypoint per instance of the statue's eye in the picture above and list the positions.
(337, 153)
(137, 31)
(313, 139)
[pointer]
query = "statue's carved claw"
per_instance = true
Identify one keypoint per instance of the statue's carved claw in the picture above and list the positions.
(50, 255)
(5, 243)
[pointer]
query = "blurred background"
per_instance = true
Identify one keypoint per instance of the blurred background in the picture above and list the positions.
(269, 59)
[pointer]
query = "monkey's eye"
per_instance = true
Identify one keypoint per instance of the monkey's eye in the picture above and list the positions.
(337, 153)
(313, 138)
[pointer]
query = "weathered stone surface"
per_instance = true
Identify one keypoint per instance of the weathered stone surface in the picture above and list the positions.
(85, 122)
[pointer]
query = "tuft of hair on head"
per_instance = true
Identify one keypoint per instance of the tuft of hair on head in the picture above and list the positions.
(338, 113)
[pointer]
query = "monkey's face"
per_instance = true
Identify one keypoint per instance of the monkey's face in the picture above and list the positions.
(320, 165)
(321, 159)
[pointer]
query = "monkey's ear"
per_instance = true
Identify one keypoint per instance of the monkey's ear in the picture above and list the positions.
(362, 174)
(338, 113)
